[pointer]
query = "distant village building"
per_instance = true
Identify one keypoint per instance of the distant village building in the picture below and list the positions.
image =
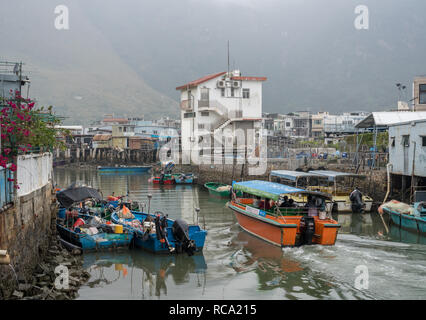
(419, 92)
(218, 102)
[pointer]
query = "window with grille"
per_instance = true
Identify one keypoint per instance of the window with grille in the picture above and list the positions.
(246, 93)
(189, 115)
(205, 94)
(422, 94)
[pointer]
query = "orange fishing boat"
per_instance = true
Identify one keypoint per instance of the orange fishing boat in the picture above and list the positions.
(264, 211)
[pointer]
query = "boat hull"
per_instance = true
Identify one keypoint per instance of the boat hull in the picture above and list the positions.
(124, 169)
(405, 221)
(282, 231)
(96, 242)
(152, 244)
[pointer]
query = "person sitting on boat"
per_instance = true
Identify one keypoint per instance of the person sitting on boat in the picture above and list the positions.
(269, 204)
(162, 177)
(356, 199)
(284, 203)
(291, 203)
(256, 202)
(311, 205)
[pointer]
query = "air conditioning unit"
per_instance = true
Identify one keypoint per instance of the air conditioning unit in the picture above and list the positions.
(235, 84)
(228, 84)
(220, 83)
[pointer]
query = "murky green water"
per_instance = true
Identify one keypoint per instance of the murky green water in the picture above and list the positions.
(236, 265)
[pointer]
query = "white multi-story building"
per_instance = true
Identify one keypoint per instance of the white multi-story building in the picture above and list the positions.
(215, 103)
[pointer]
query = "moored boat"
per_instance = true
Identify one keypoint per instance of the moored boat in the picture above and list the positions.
(83, 231)
(159, 234)
(124, 169)
(409, 217)
(218, 189)
(260, 211)
(165, 179)
(340, 187)
(86, 235)
(184, 178)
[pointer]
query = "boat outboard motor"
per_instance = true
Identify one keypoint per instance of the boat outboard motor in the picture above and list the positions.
(307, 230)
(183, 242)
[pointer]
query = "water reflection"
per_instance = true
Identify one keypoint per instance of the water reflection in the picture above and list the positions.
(150, 275)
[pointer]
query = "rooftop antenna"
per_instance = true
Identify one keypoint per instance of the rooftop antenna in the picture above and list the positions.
(228, 57)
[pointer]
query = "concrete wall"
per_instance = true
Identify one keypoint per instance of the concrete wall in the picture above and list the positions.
(26, 226)
(34, 172)
(24, 232)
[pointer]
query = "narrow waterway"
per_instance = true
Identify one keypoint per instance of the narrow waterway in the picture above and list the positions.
(236, 265)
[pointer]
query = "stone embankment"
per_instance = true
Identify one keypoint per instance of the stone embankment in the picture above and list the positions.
(42, 285)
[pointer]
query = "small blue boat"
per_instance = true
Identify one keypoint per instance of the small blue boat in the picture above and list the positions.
(74, 238)
(184, 178)
(408, 217)
(124, 169)
(152, 242)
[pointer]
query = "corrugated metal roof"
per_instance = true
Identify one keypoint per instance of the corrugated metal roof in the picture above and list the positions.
(387, 118)
(101, 137)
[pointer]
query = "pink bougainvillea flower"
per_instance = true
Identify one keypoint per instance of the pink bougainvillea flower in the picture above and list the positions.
(20, 116)
(10, 180)
(9, 129)
(13, 167)
(7, 151)
(31, 105)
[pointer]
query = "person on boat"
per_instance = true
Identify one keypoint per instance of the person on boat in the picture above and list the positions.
(284, 203)
(356, 200)
(311, 205)
(256, 202)
(291, 203)
(162, 177)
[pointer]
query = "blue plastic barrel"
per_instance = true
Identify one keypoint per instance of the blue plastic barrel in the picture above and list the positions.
(61, 213)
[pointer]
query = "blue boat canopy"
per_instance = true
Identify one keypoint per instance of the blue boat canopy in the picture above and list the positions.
(293, 175)
(271, 190)
(332, 175)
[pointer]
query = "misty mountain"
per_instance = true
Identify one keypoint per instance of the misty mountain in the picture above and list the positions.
(128, 56)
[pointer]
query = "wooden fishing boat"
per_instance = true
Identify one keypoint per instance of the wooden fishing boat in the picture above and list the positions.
(79, 229)
(184, 178)
(300, 179)
(341, 184)
(218, 189)
(161, 236)
(124, 169)
(101, 236)
(167, 179)
(409, 217)
(281, 226)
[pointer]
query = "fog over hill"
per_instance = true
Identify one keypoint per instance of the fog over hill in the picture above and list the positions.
(128, 56)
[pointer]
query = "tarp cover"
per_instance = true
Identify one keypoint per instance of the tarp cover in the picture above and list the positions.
(265, 189)
(76, 194)
(272, 190)
(292, 175)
